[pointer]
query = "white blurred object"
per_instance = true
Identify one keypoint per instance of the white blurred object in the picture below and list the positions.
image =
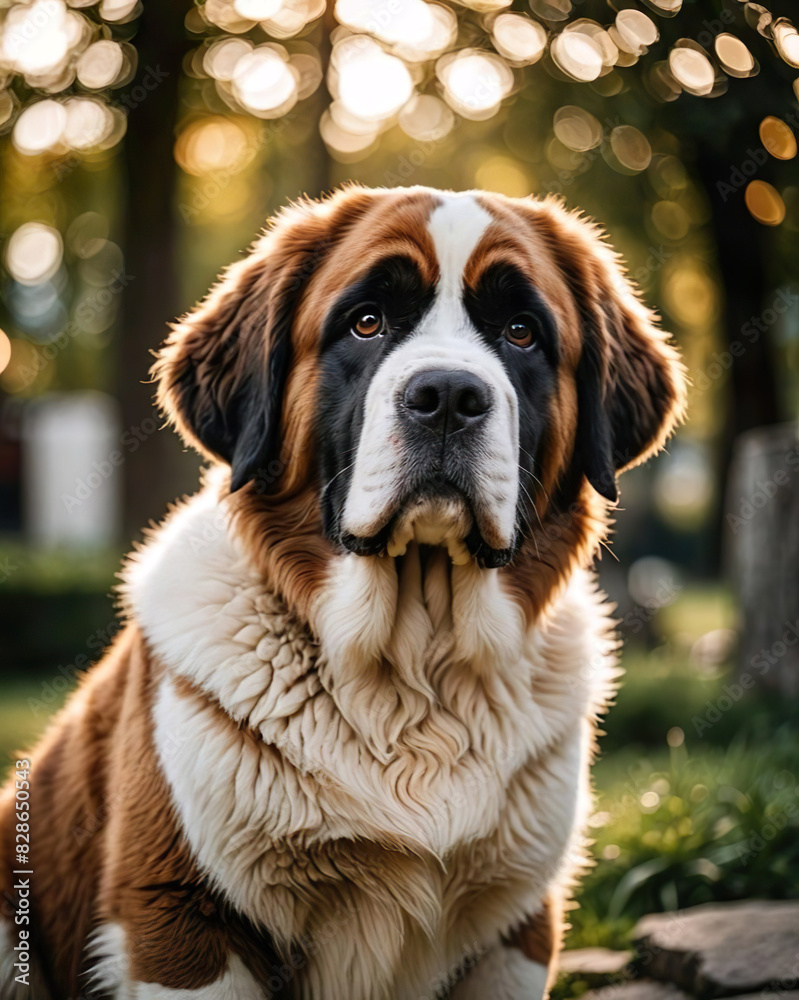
(684, 484)
(714, 648)
(653, 582)
(72, 471)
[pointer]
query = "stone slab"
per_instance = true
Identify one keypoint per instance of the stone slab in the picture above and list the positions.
(722, 949)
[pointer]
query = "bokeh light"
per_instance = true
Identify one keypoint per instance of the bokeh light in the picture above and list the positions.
(407, 22)
(213, 143)
(671, 219)
(551, 10)
(120, 11)
(576, 128)
(256, 10)
(667, 7)
(293, 17)
(692, 69)
(684, 484)
(636, 30)
(34, 253)
(5, 350)
(222, 57)
(37, 38)
(690, 294)
(263, 82)
(577, 54)
(519, 39)
(777, 138)
(631, 148)
(765, 203)
(475, 82)
(100, 65)
(734, 56)
(786, 38)
(383, 57)
(40, 127)
(675, 737)
(426, 118)
(371, 84)
(224, 15)
(343, 144)
(88, 124)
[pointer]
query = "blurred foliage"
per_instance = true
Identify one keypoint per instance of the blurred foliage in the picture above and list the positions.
(26, 705)
(697, 784)
(693, 825)
(55, 571)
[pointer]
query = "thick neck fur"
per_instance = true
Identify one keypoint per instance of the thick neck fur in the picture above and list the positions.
(421, 662)
(410, 647)
(415, 712)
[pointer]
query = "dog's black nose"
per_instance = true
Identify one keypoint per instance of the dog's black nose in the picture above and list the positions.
(447, 401)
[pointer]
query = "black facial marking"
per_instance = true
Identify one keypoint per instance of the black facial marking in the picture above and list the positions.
(440, 447)
(396, 289)
(502, 294)
(393, 286)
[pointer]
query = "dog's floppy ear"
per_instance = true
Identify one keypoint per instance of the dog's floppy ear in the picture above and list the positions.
(630, 380)
(222, 371)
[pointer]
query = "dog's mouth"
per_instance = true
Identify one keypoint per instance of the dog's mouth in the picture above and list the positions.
(441, 515)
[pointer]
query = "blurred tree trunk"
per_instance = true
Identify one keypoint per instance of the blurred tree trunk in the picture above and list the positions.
(763, 523)
(742, 248)
(752, 398)
(156, 469)
(758, 512)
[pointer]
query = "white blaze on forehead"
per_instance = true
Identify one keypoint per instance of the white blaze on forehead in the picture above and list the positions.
(456, 227)
(444, 339)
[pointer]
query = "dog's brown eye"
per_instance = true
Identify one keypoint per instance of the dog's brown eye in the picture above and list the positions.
(368, 324)
(520, 332)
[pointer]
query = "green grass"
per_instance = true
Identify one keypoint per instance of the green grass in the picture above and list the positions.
(689, 825)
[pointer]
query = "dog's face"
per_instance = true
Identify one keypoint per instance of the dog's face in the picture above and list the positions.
(445, 368)
(434, 393)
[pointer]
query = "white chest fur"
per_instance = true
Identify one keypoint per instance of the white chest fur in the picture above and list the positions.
(426, 720)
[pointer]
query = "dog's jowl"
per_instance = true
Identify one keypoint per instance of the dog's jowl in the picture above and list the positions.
(340, 749)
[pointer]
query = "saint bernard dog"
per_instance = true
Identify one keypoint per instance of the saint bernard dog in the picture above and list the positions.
(340, 750)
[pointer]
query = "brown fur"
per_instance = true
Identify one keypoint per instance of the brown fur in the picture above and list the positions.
(540, 937)
(106, 847)
(105, 843)
(68, 809)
